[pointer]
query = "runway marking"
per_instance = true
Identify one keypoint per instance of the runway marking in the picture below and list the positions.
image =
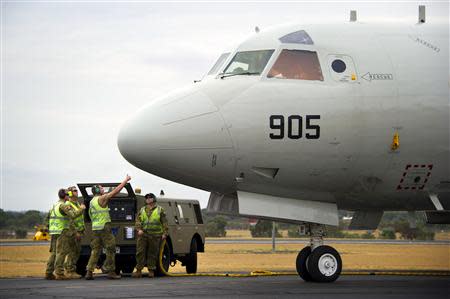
(144, 284)
(110, 285)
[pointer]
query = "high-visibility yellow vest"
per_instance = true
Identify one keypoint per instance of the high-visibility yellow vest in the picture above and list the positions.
(79, 221)
(99, 216)
(57, 222)
(153, 224)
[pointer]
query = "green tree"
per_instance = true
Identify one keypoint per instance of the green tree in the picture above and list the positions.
(263, 228)
(31, 218)
(387, 234)
(3, 219)
(367, 235)
(293, 232)
(21, 233)
(215, 227)
(424, 234)
(334, 232)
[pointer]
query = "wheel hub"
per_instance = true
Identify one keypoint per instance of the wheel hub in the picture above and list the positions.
(327, 264)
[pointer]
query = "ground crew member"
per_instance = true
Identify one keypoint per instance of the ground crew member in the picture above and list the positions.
(59, 218)
(101, 230)
(77, 229)
(151, 227)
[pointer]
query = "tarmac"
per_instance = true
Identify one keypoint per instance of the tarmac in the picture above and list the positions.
(346, 286)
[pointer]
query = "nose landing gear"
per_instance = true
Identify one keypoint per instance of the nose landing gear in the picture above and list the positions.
(318, 262)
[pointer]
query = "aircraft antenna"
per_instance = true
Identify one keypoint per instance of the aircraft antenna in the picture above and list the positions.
(421, 14)
(353, 16)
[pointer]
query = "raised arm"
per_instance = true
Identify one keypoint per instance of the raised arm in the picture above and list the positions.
(67, 209)
(105, 198)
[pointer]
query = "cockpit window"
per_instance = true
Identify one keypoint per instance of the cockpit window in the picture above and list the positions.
(248, 62)
(296, 64)
(297, 37)
(218, 63)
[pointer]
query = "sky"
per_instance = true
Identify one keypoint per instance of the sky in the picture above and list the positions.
(72, 72)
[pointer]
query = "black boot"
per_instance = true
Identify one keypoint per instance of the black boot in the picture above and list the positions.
(89, 275)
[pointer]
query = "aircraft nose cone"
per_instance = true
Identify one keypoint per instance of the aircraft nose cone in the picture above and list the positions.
(128, 140)
(181, 138)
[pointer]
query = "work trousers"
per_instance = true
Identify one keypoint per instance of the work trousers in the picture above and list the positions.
(147, 251)
(52, 257)
(74, 254)
(59, 248)
(103, 239)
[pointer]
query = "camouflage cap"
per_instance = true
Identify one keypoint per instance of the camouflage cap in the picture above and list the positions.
(150, 195)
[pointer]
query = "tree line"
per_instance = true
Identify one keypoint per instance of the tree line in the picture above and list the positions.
(19, 223)
(393, 224)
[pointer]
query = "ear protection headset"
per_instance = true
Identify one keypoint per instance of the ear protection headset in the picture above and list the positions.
(70, 193)
(96, 189)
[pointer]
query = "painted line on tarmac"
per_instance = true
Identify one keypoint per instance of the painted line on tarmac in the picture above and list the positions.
(102, 286)
(348, 272)
(398, 272)
(326, 241)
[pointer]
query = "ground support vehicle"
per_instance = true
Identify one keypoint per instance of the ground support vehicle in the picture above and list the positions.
(186, 230)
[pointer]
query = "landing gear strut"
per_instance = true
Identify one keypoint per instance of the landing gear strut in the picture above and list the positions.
(318, 262)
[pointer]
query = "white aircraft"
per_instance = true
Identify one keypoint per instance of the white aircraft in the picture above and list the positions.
(302, 120)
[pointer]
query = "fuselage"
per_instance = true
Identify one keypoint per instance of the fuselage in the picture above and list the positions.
(365, 123)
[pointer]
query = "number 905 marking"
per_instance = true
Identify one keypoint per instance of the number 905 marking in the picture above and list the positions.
(294, 127)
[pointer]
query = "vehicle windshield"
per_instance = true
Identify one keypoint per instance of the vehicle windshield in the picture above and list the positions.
(248, 62)
(123, 192)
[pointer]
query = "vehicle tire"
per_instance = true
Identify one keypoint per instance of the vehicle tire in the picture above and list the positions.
(117, 270)
(125, 264)
(81, 265)
(191, 259)
(301, 265)
(127, 268)
(324, 264)
(165, 261)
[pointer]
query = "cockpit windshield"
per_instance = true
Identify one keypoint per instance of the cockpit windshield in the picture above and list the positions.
(218, 63)
(297, 65)
(248, 62)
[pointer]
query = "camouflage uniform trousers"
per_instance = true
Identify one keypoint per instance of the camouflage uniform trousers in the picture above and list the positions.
(52, 257)
(59, 248)
(74, 254)
(103, 239)
(147, 250)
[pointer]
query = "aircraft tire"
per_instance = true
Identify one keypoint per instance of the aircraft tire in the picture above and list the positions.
(324, 264)
(301, 263)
